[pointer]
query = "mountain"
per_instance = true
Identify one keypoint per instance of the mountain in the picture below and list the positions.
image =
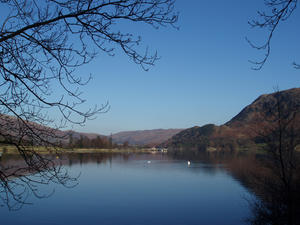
(144, 137)
(289, 101)
(247, 128)
(10, 127)
(139, 137)
(13, 129)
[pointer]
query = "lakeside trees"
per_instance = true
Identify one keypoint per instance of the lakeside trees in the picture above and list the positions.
(85, 142)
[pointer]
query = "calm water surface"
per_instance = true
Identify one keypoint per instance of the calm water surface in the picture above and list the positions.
(138, 190)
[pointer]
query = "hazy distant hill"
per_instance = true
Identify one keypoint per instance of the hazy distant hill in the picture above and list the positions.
(140, 137)
(145, 137)
(242, 130)
(11, 127)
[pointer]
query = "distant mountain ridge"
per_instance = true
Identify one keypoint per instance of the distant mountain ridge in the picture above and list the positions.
(140, 137)
(137, 137)
(144, 137)
(242, 130)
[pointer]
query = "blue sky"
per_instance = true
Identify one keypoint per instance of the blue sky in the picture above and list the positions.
(203, 75)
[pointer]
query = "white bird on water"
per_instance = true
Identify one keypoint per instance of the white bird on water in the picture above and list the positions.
(149, 162)
(189, 163)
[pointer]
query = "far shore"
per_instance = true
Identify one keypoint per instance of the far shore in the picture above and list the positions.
(8, 149)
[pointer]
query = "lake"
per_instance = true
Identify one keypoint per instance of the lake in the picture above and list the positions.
(139, 189)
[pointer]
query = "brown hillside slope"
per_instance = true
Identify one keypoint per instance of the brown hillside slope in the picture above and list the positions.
(245, 128)
(13, 129)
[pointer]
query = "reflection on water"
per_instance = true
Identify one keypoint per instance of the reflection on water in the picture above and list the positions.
(278, 198)
(144, 189)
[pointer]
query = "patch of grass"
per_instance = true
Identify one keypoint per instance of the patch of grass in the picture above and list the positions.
(10, 149)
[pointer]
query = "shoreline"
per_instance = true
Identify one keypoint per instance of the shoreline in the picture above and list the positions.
(6, 149)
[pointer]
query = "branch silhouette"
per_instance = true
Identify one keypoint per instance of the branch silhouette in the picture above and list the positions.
(41, 46)
(280, 10)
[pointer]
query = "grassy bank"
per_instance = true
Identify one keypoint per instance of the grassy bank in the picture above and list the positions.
(9, 149)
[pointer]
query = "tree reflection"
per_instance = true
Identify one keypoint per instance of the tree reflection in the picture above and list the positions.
(18, 181)
(275, 201)
(278, 202)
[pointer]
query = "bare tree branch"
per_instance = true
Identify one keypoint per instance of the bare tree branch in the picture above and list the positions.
(280, 10)
(42, 43)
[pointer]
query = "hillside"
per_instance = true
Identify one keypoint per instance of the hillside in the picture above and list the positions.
(289, 99)
(144, 137)
(245, 129)
(10, 127)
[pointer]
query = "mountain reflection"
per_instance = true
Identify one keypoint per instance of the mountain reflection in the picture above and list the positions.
(277, 201)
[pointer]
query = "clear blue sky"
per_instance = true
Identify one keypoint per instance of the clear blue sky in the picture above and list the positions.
(203, 75)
